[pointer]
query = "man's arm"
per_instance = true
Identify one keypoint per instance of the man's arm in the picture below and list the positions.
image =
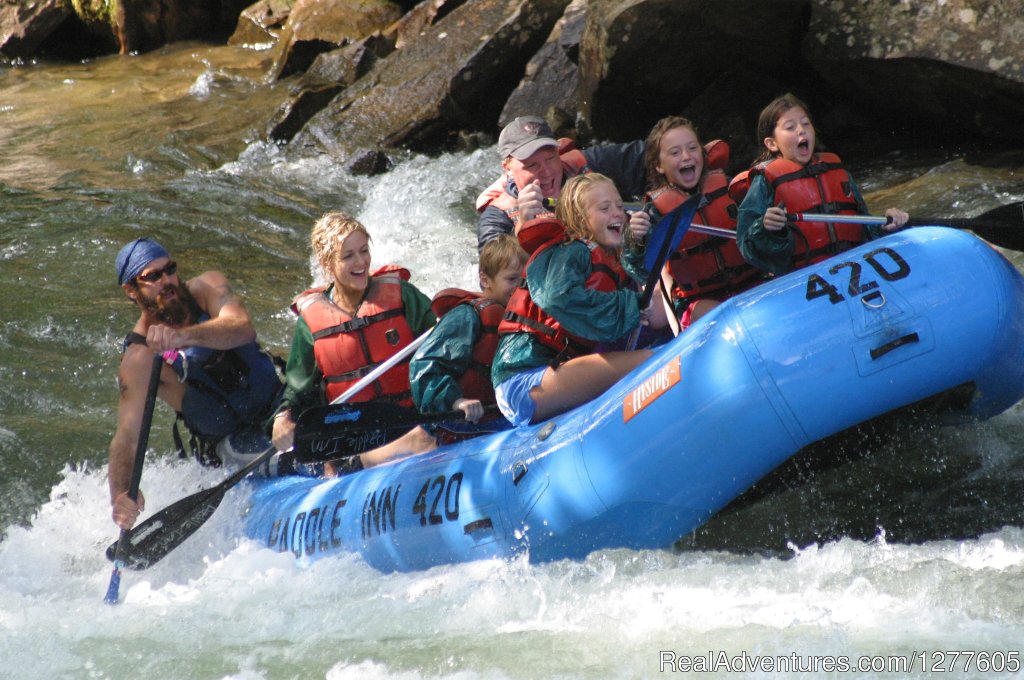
(229, 325)
(492, 223)
(623, 164)
(132, 383)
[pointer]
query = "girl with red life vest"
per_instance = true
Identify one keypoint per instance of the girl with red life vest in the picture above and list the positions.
(452, 369)
(705, 269)
(790, 176)
(347, 328)
(575, 295)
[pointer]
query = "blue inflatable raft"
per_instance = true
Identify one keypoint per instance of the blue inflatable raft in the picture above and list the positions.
(877, 328)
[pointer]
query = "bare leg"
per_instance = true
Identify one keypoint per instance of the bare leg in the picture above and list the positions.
(416, 440)
(579, 380)
(701, 308)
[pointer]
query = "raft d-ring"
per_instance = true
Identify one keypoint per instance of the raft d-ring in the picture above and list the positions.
(875, 300)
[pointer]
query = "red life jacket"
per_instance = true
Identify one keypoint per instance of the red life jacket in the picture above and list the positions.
(573, 163)
(524, 315)
(475, 383)
(704, 265)
(821, 186)
(346, 348)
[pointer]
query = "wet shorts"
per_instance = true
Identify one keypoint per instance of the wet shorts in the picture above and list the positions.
(513, 395)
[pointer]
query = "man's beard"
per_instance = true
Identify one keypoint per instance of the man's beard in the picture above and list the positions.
(175, 312)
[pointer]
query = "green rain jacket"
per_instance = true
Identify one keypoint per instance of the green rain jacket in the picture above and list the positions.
(556, 281)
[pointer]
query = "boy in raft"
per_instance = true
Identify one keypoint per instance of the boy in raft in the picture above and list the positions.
(790, 176)
(576, 295)
(704, 270)
(344, 329)
(452, 369)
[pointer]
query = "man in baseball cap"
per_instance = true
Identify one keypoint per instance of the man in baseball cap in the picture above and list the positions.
(536, 165)
(524, 136)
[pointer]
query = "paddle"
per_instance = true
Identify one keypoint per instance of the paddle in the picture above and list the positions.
(664, 238)
(1003, 226)
(151, 540)
(120, 551)
(343, 430)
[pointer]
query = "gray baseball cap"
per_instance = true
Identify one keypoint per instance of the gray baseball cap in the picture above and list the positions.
(524, 136)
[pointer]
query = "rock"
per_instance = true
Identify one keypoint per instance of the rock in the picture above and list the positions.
(550, 85)
(318, 26)
(644, 59)
(144, 25)
(330, 73)
(924, 71)
(261, 23)
(25, 24)
(455, 75)
(421, 17)
(333, 71)
(369, 162)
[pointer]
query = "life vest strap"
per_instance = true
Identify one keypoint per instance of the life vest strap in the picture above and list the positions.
(509, 315)
(355, 374)
(356, 324)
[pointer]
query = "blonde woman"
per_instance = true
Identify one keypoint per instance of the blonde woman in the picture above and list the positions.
(360, 319)
(577, 295)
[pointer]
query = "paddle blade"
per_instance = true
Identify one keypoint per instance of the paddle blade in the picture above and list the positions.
(1003, 226)
(151, 541)
(667, 229)
(339, 430)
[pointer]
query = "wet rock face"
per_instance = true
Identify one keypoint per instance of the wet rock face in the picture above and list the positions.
(261, 23)
(94, 27)
(25, 24)
(455, 75)
(984, 36)
(925, 70)
(913, 72)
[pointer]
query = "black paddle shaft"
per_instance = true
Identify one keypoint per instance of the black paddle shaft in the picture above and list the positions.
(136, 479)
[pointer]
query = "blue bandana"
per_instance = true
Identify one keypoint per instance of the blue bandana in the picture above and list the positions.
(134, 257)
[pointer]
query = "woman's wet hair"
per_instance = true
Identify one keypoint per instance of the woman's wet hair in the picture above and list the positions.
(330, 232)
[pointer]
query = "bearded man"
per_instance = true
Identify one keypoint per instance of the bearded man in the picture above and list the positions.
(215, 376)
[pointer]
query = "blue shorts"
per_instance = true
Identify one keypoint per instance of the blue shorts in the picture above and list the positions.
(513, 395)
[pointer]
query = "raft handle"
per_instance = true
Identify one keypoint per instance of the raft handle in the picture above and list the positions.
(879, 352)
(519, 471)
(478, 525)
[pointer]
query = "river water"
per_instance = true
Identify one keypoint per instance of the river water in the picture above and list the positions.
(910, 551)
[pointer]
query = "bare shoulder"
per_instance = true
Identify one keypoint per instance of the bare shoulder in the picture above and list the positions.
(134, 368)
(213, 291)
(209, 280)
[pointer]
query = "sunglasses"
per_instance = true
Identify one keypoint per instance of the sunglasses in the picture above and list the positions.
(152, 277)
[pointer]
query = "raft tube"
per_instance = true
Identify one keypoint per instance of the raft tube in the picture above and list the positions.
(768, 372)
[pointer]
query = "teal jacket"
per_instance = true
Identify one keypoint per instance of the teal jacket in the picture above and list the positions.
(443, 358)
(772, 251)
(302, 376)
(556, 281)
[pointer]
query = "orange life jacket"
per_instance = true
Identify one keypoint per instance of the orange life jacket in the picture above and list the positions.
(524, 315)
(704, 265)
(573, 163)
(475, 383)
(346, 348)
(821, 186)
